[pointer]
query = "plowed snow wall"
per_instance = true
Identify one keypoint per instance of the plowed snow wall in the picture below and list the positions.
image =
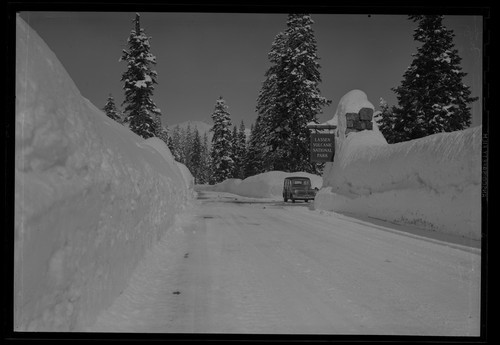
(90, 196)
(432, 182)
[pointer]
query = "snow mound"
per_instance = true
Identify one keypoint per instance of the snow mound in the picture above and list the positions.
(186, 175)
(160, 147)
(265, 185)
(90, 197)
(432, 182)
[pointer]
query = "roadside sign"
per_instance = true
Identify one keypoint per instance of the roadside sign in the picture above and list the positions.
(322, 147)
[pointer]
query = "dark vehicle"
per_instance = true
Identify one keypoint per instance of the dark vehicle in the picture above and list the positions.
(298, 188)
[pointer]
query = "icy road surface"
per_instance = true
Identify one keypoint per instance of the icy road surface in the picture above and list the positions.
(239, 265)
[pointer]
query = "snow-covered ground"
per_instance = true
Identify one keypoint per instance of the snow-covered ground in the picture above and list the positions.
(267, 185)
(242, 265)
(90, 196)
(432, 182)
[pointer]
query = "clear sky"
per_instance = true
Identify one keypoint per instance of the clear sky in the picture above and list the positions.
(201, 56)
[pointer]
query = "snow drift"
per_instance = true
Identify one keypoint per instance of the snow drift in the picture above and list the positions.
(432, 182)
(90, 197)
(266, 185)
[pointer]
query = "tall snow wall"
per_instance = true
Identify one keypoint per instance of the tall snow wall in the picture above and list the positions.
(90, 197)
(432, 182)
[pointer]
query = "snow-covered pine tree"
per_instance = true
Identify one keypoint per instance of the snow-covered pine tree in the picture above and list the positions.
(205, 171)
(187, 146)
(238, 140)
(160, 131)
(253, 162)
(432, 97)
(170, 144)
(139, 80)
(241, 147)
(222, 164)
(290, 97)
(386, 123)
(235, 154)
(196, 157)
(175, 143)
(259, 148)
(110, 109)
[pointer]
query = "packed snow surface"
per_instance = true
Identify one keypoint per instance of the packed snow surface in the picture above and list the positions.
(90, 196)
(267, 185)
(432, 182)
(246, 266)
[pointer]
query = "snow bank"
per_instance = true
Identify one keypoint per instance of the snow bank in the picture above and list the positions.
(433, 182)
(265, 185)
(187, 176)
(90, 197)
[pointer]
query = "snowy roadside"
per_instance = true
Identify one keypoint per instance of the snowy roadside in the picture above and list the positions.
(146, 302)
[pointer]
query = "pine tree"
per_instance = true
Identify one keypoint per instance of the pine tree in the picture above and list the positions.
(260, 149)
(139, 79)
(254, 161)
(205, 171)
(386, 122)
(160, 131)
(241, 148)
(170, 144)
(187, 146)
(111, 110)
(196, 157)
(432, 97)
(238, 140)
(175, 143)
(235, 154)
(290, 97)
(222, 164)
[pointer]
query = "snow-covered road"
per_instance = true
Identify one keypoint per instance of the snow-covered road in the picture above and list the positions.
(238, 265)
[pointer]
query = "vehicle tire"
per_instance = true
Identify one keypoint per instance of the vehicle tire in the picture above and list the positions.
(293, 200)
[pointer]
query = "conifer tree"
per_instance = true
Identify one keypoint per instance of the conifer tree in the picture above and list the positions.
(235, 153)
(290, 97)
(386, 122)
(175, 143)
(196, 157)
(222, 163)
(432, 97)
(139, 79)
(160, 131)
(238, 140)
(205, 171)
(187, 146)
(254, 161)
(241, 148)
(110, 109)
(170, 144)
